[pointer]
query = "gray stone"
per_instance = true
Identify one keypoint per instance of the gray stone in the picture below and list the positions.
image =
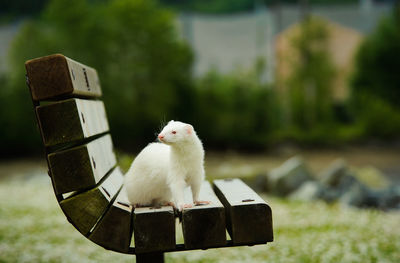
(330, 195)
(357, 195)
(390, 198)
(338, 179)
(258, 183)
(261, 182)
(373, 177)
(288, 177)
(308, 191)
(334, 174)
(343, 186)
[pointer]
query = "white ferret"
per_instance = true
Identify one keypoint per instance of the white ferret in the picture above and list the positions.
(161, 171)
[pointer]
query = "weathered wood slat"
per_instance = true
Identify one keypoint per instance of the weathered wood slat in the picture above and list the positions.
(85, 209)
(54, 76)
(114, 230)
(150, 258)
(81, 167)
(154, 229)
(71, 120)
(249, 218)
(204, 226)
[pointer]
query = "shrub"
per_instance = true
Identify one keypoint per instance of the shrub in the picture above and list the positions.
(144, 69)
(378, 63)
(376, 82)
(379, 118)
(236, 111)
(311, 81)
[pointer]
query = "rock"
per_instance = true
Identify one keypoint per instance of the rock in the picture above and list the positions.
(338, 178)
(261, 182)
(372, 177)
(357, 194)
(288, 177)
(330, 195)
(342, 185)
(390, 198)
(308, 191)
(360, 190)
(258, 183)
(334, 174)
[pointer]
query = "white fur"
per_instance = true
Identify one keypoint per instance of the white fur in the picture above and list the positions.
(146, 180)
(161, 171)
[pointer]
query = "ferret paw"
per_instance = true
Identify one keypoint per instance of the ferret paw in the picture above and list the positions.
(169, 204)
(202, 202)
(182, 206)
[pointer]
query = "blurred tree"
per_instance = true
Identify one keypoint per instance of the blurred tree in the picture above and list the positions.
(145, 70)
(26, 8)
(229, 6)
(235, 110)
(378, 62)
(21, 7)
(376, 81)
(210, 6)
(311, 80)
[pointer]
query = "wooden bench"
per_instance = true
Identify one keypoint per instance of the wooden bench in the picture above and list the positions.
(88, 183)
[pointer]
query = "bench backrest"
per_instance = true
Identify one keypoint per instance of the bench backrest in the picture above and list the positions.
(79, 149)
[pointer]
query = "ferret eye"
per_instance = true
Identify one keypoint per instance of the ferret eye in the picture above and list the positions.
(173, 132)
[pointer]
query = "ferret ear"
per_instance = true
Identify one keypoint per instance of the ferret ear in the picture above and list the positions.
(171, 121)
(189, 128)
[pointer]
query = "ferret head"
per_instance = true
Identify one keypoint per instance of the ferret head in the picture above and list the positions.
(176, 132)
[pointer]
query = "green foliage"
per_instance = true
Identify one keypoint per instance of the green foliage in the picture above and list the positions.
(311, 82)
(378, 117)
(218, 6)
(145, 73)
(229, 6)
(376, 82)
(17, 8)
(144, 69)
(378, 63)
(21, 7)
(18, 134)
(235, 110)
(210, 6)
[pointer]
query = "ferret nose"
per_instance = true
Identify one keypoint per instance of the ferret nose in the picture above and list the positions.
(160, 137)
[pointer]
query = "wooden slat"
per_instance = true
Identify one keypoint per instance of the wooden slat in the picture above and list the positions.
(114, 230)
(154, 229)
(249, 218)
(81, 167)
(56, 75)
(150, 258)
(71, 120)
(85, 209)
(204, 226)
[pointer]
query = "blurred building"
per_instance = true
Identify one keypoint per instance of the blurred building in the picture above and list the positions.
(343, 43)
(226, 42)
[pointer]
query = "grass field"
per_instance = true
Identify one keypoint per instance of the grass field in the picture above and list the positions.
(33, 229)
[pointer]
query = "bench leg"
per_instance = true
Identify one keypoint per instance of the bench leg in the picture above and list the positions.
(150, 258)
